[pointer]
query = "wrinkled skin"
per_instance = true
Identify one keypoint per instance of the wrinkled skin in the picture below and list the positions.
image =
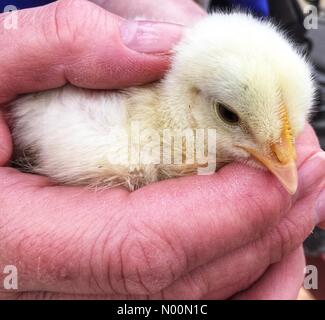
(236, 233)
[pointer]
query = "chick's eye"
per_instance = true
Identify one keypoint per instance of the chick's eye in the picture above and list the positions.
(226, 114)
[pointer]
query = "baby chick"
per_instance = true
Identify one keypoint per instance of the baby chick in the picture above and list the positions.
(232, 75)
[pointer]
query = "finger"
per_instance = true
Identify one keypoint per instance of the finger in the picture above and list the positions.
(5, 141)
(223, 273)
(113, 242)
(180, 11)
(138, 243)
(222, 278)
(242, 267)
(282, 281)
(220, 273)
(218, 280)
(78, 42)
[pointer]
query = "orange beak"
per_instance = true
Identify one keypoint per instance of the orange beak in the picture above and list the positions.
(281, 162)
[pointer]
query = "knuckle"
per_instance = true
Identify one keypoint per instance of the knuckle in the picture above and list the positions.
(148, 262)
(287, 236)
(69, 19)
(65, 26)
(147, 265)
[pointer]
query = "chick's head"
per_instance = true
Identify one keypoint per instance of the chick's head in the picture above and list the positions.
(242, 77)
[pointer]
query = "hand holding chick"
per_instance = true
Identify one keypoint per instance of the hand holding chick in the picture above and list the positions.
(231, 74)
(68, 241)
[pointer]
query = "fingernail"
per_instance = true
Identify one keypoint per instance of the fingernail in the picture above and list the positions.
(320, 209)
(149, 36)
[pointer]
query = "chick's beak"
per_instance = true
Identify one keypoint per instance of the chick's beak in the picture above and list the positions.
(281, 161)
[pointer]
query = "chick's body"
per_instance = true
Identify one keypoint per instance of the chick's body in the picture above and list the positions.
(77, 136)
(231, 73)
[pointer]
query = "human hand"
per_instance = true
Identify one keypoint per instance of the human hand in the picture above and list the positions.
(195, 237)
(178, 238)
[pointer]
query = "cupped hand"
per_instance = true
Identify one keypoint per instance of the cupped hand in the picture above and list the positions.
(194, 237)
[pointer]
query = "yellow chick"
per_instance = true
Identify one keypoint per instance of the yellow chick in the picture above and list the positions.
(237, 90)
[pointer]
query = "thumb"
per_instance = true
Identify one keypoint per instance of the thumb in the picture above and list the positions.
(78, 42)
